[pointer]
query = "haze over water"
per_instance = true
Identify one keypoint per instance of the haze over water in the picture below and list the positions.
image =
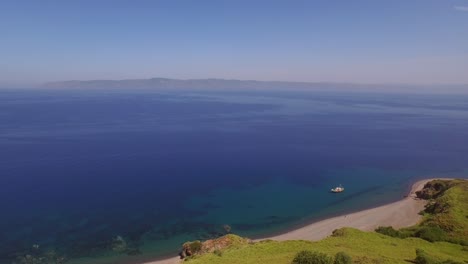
(79, 168)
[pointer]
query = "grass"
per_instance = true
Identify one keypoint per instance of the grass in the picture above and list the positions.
(451, 212)
(363, 247)
(445, 216)
(448, 212)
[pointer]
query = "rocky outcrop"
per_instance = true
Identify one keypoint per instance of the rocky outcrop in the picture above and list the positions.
(212, 245)
(433, 189)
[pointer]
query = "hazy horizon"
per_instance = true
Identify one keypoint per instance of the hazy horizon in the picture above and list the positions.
(398, 42)
(46, 82)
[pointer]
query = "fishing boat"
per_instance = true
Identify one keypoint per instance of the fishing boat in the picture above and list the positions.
(338, 189)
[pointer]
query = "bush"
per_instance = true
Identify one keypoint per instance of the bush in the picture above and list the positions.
(433, 189)
(431, 234)
(388, 231)
(423, 258)
(311, 257)
(342, 258)
(339, 232)
(195, 246)
(406, 232)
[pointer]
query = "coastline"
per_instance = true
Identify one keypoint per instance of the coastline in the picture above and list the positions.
(402, 213)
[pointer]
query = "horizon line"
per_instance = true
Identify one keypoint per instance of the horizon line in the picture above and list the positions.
(253, 80)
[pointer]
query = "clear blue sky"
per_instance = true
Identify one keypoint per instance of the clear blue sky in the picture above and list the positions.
(398, 41)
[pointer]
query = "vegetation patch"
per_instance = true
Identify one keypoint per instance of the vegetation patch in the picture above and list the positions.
(216, 246)
(342, 258)
(424, 258)
(312, 257)
(445, 215)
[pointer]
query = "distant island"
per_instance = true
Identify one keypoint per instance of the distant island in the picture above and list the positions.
(211, 84)
(166, 83)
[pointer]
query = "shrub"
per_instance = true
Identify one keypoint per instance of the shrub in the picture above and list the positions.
(339, 232)
(431, 234)
(423, 258)
(388, 231)
(342, 258)
(433, 189)
(311, 257)
(406, 232)
(195, 246)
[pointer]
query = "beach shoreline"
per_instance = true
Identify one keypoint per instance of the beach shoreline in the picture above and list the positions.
(402, 213)
(399, 214)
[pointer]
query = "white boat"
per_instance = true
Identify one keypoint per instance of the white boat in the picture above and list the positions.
(338, 189)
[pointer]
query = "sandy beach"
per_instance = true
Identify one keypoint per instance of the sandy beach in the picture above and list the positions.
(399, 214)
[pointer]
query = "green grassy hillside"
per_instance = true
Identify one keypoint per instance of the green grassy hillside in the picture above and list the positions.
(363, 247)
(446, 215)
(448, 210)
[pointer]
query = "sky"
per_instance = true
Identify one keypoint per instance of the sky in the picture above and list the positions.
(373, 41)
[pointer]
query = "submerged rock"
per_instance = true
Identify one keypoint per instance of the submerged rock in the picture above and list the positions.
(119, 244)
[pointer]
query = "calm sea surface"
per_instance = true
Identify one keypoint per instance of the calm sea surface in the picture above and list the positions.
(80, 168)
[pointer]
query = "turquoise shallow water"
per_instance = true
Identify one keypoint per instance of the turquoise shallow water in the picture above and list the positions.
(80, 168)
(278, 206)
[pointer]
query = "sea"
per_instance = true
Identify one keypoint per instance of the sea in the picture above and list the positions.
(124, 176)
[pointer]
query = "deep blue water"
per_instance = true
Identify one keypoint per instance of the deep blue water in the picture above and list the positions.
(78, 168)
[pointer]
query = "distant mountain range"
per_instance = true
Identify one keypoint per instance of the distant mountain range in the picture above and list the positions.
(210, 84)
(188, 84)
